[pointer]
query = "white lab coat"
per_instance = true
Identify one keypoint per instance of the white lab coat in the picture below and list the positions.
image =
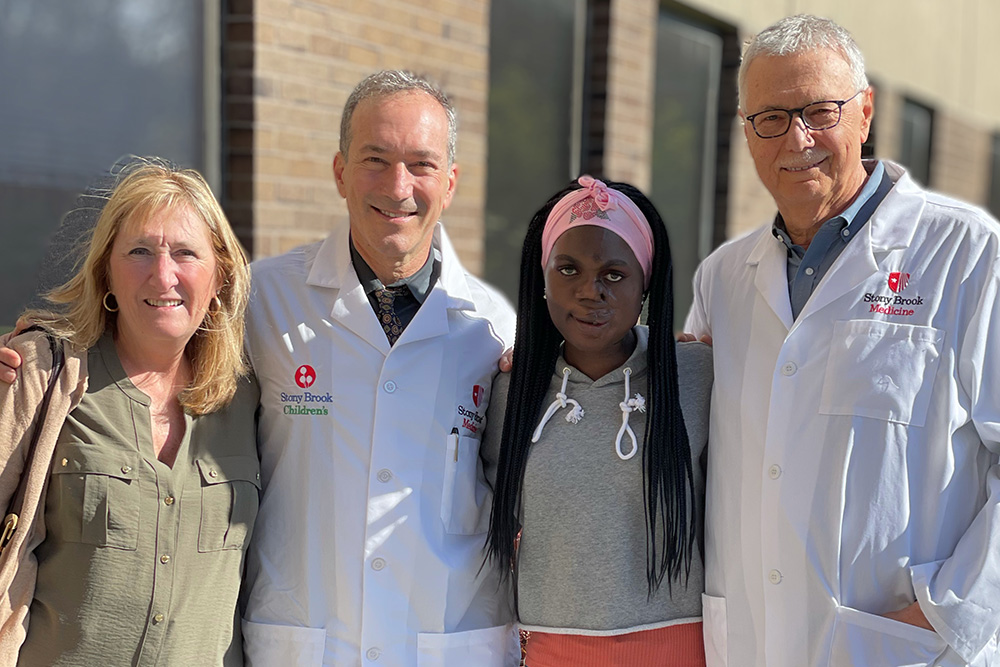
(370, 535)
(853, 455)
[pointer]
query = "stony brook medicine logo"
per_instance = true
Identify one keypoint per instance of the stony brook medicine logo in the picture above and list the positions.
(305, 403)
(472, 419)
(895, 303)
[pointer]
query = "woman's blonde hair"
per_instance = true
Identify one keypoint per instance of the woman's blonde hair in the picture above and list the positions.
(144, 188)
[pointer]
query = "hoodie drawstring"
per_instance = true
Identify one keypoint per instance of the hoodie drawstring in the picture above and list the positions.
(574, 416)
(627, 406)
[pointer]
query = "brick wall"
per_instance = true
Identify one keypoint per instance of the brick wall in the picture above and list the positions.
(629, 111)
(289, 67)
(960, 157)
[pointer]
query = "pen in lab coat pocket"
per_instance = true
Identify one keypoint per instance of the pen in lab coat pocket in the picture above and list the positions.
(454, 432)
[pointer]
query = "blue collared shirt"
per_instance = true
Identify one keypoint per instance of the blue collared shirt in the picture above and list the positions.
(807, 266)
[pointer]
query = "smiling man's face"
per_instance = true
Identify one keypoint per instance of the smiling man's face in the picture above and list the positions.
(396, 180)
(810, 173)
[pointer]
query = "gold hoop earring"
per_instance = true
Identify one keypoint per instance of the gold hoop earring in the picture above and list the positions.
(105, 302)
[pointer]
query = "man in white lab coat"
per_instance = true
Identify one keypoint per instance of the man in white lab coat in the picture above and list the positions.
(853, 509)
(375, 352)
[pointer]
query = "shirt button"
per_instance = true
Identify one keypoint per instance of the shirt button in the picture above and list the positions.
(378, 564)
(774, 471)
(384, 475)
(789, 369)
(64, 462)
(810, 271)
(126, 469)
(774, 577)
(158, 618)
(212, 473)
(165, 559)
(373, 653)
(169, 500)
(846, 232)
(389, 386)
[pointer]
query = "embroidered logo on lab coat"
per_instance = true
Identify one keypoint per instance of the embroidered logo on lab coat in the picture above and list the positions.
(894, 304)
(307, 402)
(305, 376)
(898, 280)
(472, 420)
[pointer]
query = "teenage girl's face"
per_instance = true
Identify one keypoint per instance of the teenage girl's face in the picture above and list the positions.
(593, 286)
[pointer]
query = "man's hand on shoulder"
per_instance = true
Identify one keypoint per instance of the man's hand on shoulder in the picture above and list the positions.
(683, 337)
(506, 360)
(911, 614)
(9, 361)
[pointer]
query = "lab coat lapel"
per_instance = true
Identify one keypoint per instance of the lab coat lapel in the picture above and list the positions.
(770, 278)
(333, 269)
(890, 228)
(450, 292)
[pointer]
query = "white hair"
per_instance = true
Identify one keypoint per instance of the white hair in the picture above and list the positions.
(798, 34)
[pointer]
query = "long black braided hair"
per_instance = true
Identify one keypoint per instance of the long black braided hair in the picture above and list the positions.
(667, 472)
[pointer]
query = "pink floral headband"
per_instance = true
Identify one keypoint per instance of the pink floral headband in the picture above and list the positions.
(598, 205)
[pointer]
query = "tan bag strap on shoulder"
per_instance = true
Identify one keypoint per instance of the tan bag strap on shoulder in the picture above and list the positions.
(17, 502)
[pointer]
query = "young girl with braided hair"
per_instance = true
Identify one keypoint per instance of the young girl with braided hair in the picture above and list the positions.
(598, 484)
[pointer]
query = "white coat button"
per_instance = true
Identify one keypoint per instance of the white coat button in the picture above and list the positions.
(810, 270)
(378, 564)
(774, 471)
(389, 386)
(774, 577)
(373, 653)
(789, 369)
(384, 475)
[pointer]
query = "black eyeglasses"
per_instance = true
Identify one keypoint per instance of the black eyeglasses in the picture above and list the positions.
(824, 115)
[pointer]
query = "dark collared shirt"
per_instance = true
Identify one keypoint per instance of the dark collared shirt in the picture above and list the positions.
(807, 266)
(419, 285)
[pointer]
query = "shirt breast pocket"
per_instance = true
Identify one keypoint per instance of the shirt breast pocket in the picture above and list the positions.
(95, 495)
(881, 370)
(230, 494)
(465, 497)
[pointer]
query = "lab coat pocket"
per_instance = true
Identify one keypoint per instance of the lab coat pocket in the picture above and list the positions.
(860, 638)
(881, 370)
(96, 494)
(489, 647)
(265, 645)
(464, 494)
(713, 611)
(230, 487)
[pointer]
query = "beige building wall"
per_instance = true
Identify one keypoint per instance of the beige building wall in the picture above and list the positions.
(300, 61)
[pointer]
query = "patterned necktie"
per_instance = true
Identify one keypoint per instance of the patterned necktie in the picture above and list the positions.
(387, 317)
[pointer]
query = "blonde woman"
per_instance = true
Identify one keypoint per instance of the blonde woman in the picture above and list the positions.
(142, 491)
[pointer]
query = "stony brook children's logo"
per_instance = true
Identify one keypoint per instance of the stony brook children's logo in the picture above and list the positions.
(305, 375)
(305, 403)
(472, 419)
(895, 303)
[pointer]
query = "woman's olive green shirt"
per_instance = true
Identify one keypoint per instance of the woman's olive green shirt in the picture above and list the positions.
(141, 562)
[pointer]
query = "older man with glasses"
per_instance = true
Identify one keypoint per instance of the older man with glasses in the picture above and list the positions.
(853, 510)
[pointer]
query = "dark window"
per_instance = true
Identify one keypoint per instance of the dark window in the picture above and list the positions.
(686, 143)
(534, 121)
(917, 134)
(994, 202)
(85, 83)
